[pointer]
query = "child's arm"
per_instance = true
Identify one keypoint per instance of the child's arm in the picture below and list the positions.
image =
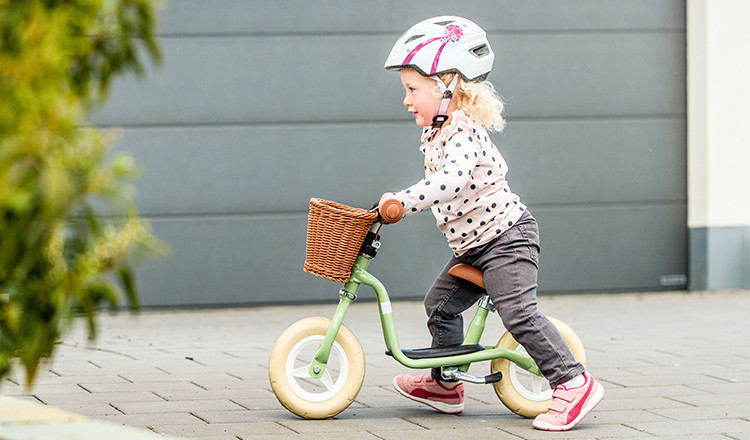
(460, 157)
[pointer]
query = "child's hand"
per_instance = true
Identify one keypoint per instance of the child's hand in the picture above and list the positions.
(391, 209)
(384, 197)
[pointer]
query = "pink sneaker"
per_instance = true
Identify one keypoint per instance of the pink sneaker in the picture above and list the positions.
(569, 406)
(425, 389)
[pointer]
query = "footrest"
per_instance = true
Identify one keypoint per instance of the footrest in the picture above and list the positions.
(430, 353)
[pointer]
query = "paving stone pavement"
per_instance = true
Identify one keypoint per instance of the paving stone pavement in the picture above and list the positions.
(674, 365)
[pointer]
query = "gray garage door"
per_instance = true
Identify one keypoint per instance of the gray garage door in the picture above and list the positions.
(261, 105)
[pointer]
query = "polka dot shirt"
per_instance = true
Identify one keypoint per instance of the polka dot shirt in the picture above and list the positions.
(464, 185)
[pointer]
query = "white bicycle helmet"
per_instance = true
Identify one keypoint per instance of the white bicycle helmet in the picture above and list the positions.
(443, 44)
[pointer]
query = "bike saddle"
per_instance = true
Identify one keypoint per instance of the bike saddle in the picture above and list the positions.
(468, 273)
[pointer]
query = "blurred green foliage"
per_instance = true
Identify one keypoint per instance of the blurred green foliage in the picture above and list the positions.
(68, 223)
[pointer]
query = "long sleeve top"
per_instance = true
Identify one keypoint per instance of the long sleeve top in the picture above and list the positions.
(465, 185)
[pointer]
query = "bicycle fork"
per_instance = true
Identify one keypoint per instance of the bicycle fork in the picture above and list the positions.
(320, 360)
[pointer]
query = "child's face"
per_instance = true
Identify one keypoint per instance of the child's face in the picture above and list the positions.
(421, 99)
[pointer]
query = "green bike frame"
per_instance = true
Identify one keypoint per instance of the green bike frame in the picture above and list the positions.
(348, 294)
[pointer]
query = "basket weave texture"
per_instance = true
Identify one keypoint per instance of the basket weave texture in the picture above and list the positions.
(335, 233)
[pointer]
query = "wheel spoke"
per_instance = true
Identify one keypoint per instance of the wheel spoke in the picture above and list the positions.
(327, 381)
(303, 371)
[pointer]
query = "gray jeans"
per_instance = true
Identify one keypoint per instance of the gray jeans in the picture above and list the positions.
(510, 264)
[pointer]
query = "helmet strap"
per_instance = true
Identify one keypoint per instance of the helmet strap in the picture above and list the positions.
(447, 93)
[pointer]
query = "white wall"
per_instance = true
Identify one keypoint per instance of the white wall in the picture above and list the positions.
(718, 57)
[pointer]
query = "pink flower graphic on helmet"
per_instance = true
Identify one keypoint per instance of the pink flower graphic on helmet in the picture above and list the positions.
(453, 33)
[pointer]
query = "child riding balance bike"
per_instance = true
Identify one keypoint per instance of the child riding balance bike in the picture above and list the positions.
(537, 368)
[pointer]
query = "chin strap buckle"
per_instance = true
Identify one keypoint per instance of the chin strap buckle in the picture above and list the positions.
(438, 120)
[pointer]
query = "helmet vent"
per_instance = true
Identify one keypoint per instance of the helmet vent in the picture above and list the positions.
(414, 37)
(444, 23)
(480, 51)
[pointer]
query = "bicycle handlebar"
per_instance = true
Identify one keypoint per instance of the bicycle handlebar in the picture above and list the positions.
(391, 211)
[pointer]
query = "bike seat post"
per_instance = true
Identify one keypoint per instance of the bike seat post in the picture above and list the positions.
(476, 327)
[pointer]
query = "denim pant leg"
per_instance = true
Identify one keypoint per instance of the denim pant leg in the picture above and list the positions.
(445, 301)
(510, 265)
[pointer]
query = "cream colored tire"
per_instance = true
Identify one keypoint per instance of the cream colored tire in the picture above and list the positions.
(290, 360)
(527, 394)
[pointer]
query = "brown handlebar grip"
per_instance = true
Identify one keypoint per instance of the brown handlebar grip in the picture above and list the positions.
(391, 211)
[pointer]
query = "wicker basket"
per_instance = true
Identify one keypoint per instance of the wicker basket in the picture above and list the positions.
(335, 233)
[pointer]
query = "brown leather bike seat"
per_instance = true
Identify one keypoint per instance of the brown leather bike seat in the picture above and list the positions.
(468, 273)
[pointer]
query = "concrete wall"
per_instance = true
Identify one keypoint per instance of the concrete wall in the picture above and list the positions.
(261, 105)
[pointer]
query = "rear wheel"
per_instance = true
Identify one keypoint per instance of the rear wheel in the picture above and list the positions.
(288, 370)
(524, 393)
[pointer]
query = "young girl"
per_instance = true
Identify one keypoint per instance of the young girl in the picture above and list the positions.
(443, 63)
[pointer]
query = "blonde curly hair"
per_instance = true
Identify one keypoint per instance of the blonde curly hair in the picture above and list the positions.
(479, 100)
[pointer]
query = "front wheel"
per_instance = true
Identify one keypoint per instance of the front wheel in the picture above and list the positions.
(524, 393)
(290, 361)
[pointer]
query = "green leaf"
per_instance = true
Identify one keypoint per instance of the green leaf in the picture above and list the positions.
(127, 282)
